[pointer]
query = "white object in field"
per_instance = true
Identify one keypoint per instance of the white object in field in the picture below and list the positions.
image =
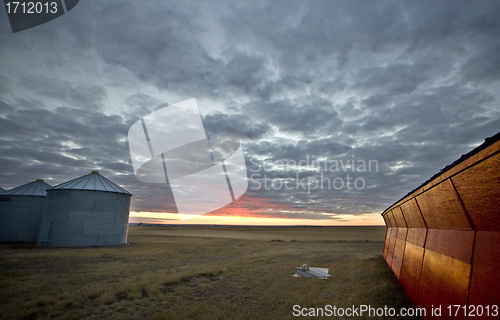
(311, 272)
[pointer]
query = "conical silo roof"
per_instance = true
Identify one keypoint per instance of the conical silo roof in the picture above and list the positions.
(92, 181)
(37, 188)
(2, 191)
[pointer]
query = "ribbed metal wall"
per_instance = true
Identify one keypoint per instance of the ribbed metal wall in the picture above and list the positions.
(20, 218)
(443, 239)
(21, 212)
(84, 218)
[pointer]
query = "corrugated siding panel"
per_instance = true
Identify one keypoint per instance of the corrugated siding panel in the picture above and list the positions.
(444, 281)
(485, 280)
(392, 244)
(397, 259)
(398, 216)
(386, 220)
(412, 214)
(111, 239)
(410, 270)
(399, 248)
(390, 216)
(416, 236)
(20, 218)
(479, 189)
(389, 222)
(85, 218)
(401, 235)
(102, 228)
(457, 244)
(121, 218)
(387, 236)
(70, 240)
(386, 242)
(441, 208)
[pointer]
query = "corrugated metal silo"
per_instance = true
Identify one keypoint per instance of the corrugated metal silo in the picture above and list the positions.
(86, 211)
(2, 191)
(21, 212)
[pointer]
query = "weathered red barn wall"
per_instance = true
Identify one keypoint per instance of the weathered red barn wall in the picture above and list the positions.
(443, 239)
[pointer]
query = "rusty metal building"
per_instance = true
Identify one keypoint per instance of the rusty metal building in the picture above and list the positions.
(87, 211)
(443, 238)
(21, 210)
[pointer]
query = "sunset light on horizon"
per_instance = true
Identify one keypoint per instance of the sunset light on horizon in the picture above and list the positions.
(165, 218)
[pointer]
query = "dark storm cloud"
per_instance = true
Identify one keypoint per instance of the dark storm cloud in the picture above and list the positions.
(5, 85)
(5, 108)
(81, 95)
(412, 85)
(235, 125)
(143, 104)
(42, 143)
(483, 67)
(308, 117)
(143, 101)
(282, 149)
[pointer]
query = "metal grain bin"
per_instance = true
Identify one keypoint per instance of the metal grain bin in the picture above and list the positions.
(2, 191)
(86, 211)
(21, 212)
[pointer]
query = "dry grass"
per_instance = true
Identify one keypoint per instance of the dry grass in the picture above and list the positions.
(271, 233)
(161, 275)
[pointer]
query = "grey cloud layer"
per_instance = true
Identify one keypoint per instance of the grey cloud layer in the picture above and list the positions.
(412, 85)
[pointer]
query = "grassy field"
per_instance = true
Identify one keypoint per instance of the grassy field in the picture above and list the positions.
(199, 273)
(270, 233)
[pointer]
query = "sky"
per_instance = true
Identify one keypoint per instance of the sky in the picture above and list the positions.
(372, 98)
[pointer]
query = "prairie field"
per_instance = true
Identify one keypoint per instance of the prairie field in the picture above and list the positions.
(200, 273)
